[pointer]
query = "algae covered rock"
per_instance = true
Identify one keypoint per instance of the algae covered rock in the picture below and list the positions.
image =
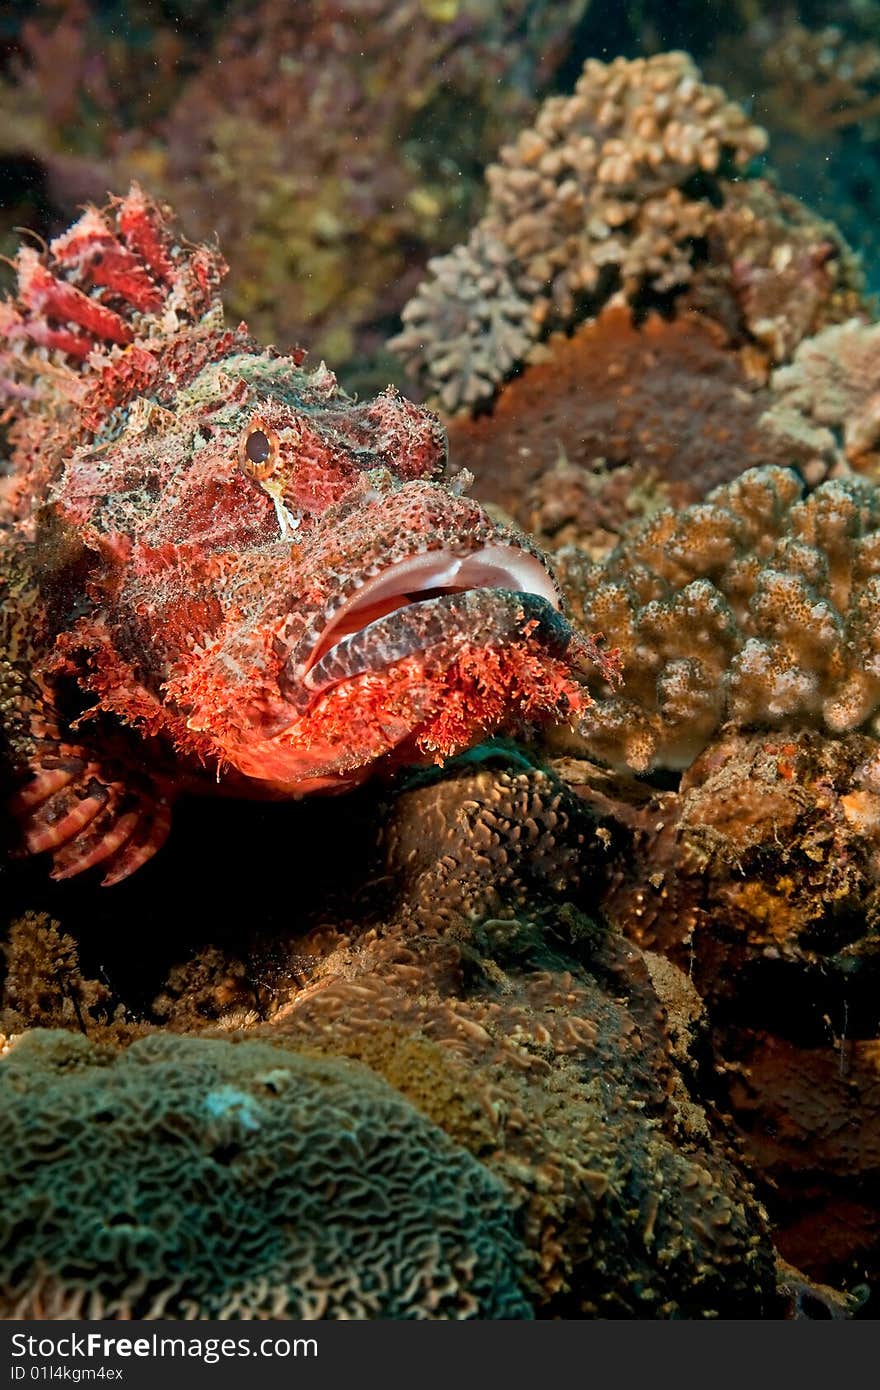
(191, 1177)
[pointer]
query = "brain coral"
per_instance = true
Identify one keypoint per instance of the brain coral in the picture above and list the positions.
(759, 606)
(189, 1177)
(474, 979)
(501, 1009)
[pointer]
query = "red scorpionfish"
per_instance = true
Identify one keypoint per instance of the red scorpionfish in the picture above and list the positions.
(220, 572)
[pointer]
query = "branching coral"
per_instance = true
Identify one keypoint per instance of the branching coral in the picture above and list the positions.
(468, 327)
(818, 79)
(625, 187)
(196, 1178)
(828, 398)
(594, 196)
(43, 985)
(759, 606)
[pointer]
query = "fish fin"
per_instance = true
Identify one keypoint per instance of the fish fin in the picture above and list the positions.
(85, 814)
(109, 291)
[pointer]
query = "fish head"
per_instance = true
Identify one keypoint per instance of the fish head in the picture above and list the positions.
(297, 589)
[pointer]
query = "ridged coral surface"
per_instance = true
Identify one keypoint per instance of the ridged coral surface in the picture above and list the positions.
(187, 1177)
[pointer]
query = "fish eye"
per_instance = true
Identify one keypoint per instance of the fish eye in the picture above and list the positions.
(258, 450)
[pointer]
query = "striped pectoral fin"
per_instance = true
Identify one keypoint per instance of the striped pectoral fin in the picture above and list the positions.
(86, 816)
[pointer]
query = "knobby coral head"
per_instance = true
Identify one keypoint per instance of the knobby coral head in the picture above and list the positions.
(224, 565)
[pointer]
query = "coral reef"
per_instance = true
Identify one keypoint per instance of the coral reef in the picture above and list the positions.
(581, 1027)
(43, 986)
(623, 187)
(817, 80)
(331, 146)
(758, 606)
(615, 423)
(815, 86)
(827, 401)
(482, 990)
(587, 200)
(188, 1177)
(760, 877)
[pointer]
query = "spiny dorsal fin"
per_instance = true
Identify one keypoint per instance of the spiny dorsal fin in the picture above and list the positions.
(120, 275)
(117, 307)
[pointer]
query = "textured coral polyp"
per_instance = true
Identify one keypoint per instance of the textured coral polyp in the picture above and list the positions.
(588, 200)
(760, 606)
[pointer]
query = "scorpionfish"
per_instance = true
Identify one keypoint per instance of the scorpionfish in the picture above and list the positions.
(219, 571)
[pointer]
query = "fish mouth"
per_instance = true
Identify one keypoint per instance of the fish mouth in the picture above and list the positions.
(434, 603)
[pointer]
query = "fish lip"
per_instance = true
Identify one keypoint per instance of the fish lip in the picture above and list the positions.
(498, 564)
(442, 626)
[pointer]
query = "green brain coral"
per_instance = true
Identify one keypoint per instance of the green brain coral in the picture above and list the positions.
(188, 1177)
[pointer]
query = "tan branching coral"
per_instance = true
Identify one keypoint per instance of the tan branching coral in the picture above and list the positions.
(43, 985)
(468, 328)
(598, 181)
(759, 606)
(189, 1177)
(828, 398)
(609, 189)
(817, 80)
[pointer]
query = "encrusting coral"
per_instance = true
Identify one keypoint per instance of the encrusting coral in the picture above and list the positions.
(759, 606)
(192, 1177)
(614, 423)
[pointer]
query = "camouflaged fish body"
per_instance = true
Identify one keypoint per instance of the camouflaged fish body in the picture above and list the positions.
(221, 572)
